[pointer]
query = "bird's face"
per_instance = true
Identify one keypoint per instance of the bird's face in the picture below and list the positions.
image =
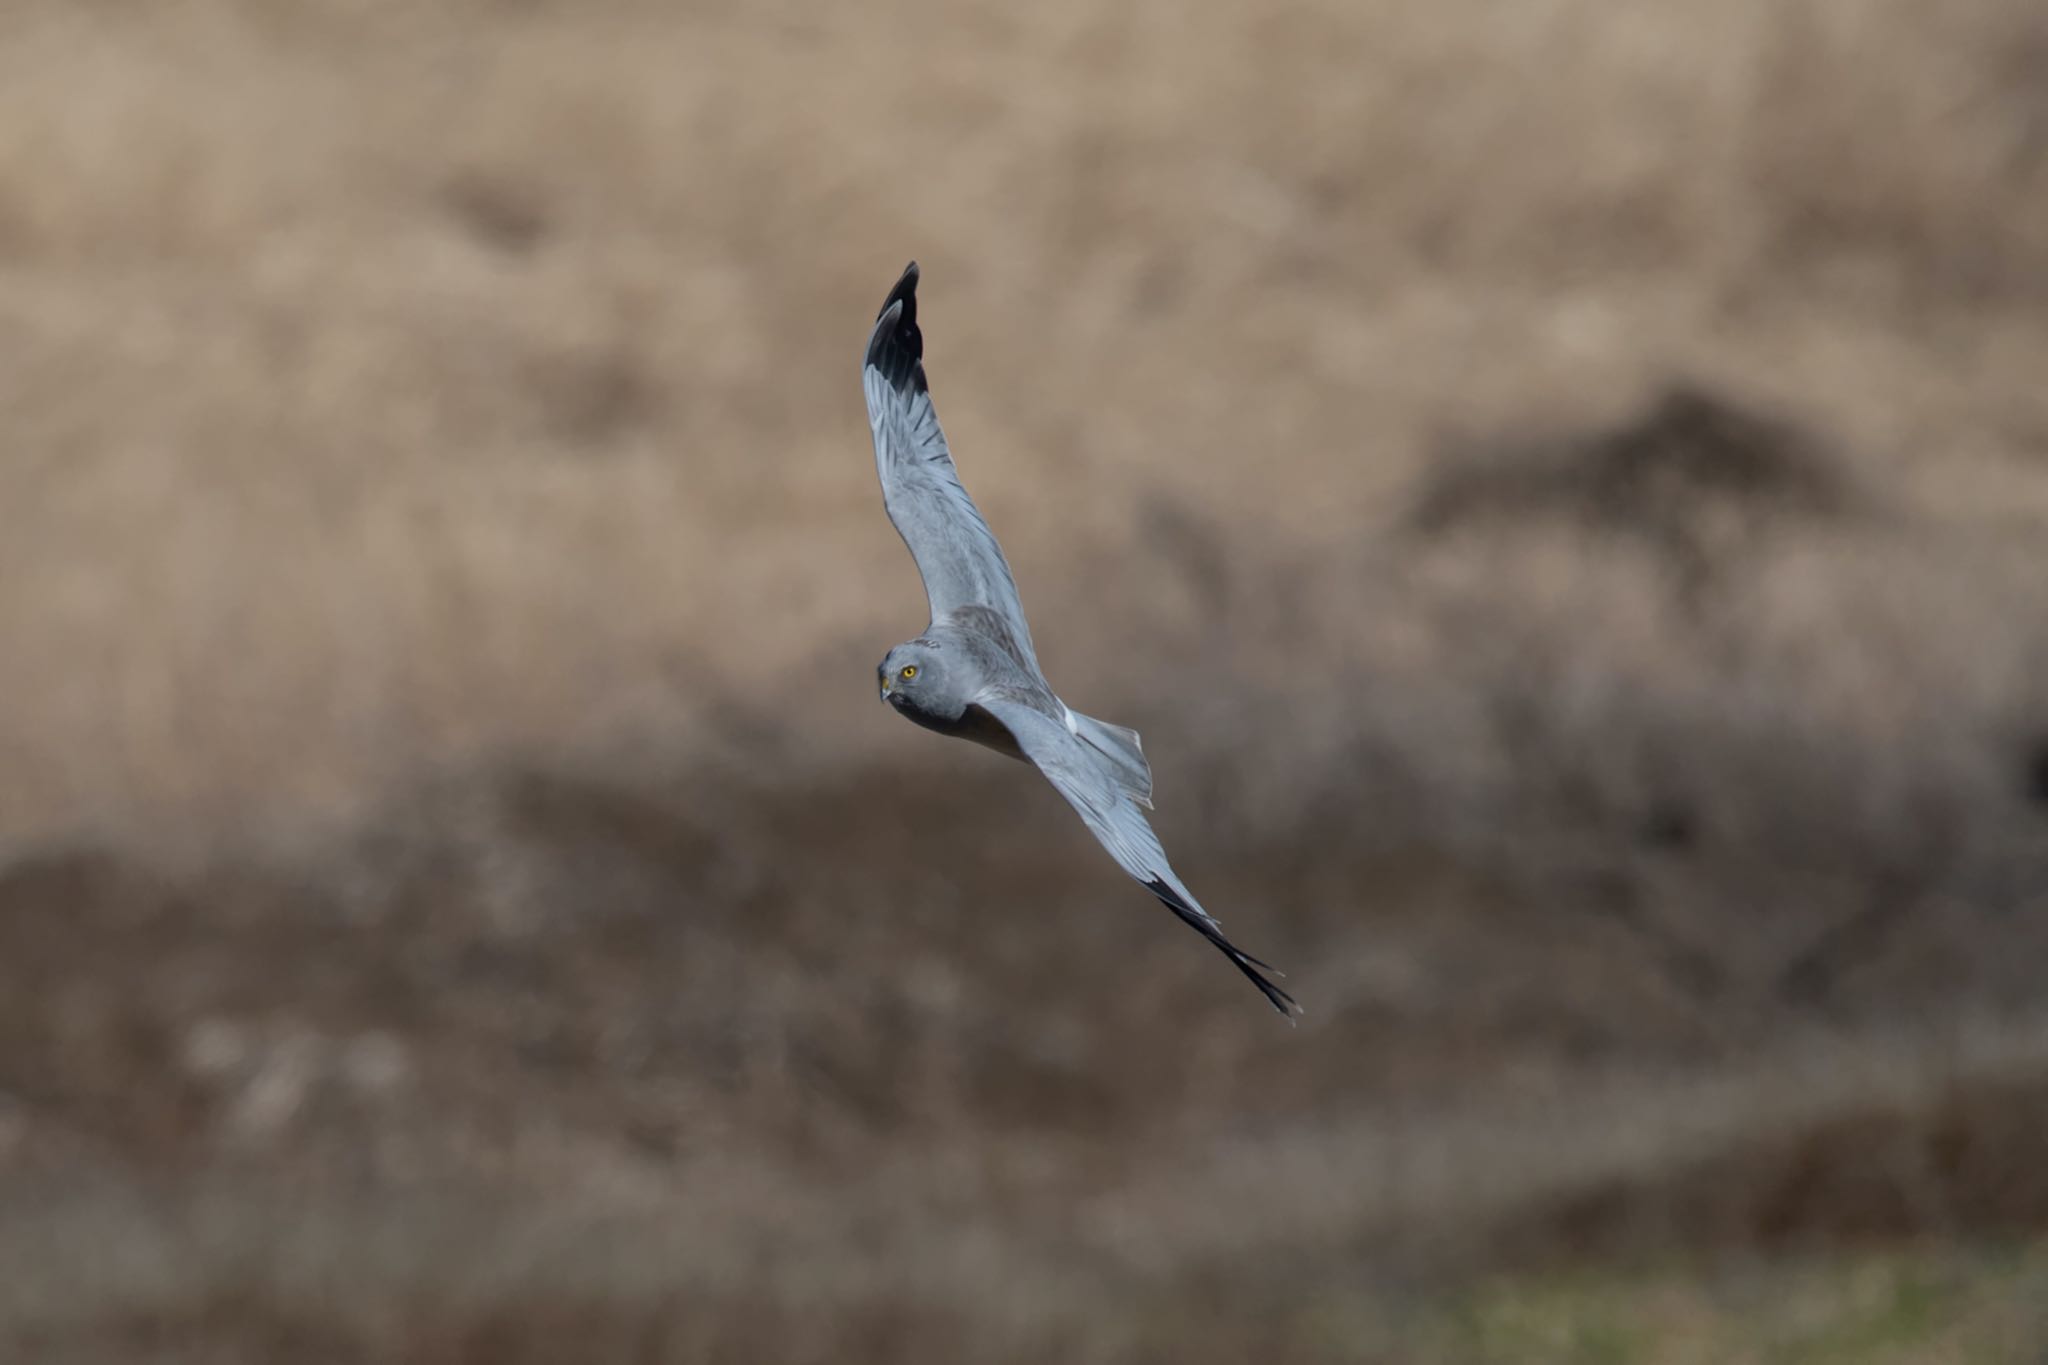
(912, 677)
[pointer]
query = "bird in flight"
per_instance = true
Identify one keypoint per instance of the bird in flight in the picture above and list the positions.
(973, 673)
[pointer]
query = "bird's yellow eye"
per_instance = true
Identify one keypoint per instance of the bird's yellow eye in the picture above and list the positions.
(909, 672)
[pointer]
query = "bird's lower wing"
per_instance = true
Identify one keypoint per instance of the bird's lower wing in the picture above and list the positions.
(1081, 775)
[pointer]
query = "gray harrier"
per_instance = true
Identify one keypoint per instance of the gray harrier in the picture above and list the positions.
(973, 673)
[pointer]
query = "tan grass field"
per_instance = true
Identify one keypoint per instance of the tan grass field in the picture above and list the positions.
(1562, 489)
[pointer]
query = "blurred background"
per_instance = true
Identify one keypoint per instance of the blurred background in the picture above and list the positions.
(1562, 488)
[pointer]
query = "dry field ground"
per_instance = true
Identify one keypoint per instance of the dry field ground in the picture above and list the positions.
(1562, 487)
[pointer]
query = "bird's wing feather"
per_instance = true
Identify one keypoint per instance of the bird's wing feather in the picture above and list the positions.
(956, 553)
(1083, 777)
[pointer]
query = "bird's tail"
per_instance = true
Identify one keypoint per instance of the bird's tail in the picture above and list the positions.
(1120, 745)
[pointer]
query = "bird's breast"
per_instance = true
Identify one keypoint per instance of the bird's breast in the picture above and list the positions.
(972, 724)
(984, 729)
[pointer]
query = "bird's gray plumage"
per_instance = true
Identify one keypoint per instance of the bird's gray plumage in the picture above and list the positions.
(973, 673)
(956, 553)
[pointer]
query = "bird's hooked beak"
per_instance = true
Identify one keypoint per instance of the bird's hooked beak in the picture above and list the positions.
(882, 680)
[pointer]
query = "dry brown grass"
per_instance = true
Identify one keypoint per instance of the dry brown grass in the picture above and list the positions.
(1564, 492)
(481, 379)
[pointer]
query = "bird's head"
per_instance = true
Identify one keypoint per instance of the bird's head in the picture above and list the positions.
(914, 677)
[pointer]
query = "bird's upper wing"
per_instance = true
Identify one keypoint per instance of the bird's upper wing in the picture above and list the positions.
(1091, 788)
(956, 553)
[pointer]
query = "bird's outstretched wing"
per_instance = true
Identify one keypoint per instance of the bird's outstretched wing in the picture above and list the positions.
(956, 553)
(1081, 776)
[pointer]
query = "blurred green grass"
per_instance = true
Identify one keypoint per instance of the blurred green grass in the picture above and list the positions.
(1900, 1308)
(1936, 1305)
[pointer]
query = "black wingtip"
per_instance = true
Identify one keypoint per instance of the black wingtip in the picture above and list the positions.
(1253, 969)
(896, 347)
(904, 293)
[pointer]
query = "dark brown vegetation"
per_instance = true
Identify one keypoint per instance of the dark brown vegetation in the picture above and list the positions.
(1565, 497)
